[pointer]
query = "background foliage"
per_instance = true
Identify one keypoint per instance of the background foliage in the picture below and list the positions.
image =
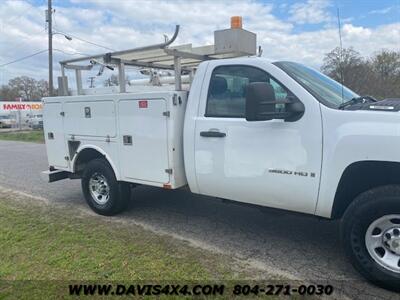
(378, 76)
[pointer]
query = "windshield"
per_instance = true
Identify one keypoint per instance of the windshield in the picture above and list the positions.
(325, 89)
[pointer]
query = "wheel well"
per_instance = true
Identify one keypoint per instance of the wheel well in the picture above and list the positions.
(84, 157)
(360, 177)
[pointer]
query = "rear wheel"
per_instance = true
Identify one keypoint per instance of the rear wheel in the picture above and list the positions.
(103, 193)
(371, 235)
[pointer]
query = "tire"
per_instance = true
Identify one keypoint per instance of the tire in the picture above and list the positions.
(103, 193)
(365, 225)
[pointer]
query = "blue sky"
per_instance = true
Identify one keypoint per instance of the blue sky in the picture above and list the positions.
(367, 13)
(299, 30)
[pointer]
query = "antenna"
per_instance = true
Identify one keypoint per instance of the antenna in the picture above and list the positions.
(341, 53)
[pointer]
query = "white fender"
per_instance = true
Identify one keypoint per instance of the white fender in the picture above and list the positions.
(101, 151)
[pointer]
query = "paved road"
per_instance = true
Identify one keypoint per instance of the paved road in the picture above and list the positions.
(299, 246)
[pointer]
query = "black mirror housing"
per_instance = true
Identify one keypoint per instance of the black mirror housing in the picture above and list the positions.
(256, 95)
(261, 104)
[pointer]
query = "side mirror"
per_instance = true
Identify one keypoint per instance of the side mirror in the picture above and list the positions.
(261, 104)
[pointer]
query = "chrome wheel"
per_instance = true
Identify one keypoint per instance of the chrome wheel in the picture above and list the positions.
(383, 242)
(99, 188)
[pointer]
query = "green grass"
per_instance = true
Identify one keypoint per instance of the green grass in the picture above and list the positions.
(35, 136)
(43, 248)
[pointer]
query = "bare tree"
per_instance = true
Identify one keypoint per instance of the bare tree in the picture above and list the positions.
(8, 93)
(26, 86)
(341, 64)
(386, 69)
(378, 76)
(386, 63)
(42, 89)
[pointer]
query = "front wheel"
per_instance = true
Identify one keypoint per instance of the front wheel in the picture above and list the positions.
(103, 193)
(371, 235)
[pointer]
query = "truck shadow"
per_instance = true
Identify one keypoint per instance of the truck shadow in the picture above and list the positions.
(305, 247)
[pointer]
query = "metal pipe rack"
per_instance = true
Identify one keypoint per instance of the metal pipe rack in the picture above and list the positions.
(158, 56)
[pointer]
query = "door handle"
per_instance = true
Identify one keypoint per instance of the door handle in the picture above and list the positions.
(212, 134)
(127, 139)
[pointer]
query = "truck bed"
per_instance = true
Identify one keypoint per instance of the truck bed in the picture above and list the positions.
(140, 134)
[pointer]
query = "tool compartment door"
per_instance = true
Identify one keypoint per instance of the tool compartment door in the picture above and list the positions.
(143, 140)
(90, 118)
(54, 135)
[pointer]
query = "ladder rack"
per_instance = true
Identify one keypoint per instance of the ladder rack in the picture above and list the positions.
(228, 43)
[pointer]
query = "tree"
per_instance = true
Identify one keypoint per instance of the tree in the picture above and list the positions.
(42, 89)
(342, 65)
(8, 93)
(386, 68)
(25, 87)
(378, 76)
(386, 63)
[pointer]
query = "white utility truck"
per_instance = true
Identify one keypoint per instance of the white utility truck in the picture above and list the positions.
(237, 127)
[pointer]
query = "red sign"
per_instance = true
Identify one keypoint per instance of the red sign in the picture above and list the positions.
(21, 106)
(143, 104)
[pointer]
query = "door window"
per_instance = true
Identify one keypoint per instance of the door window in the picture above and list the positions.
(227, 90)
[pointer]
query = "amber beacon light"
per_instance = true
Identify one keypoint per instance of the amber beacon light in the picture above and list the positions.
(236, 22)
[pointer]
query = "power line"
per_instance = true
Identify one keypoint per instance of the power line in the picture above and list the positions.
(83, 40)
(23, 58)
(37, 53)
(68, 53)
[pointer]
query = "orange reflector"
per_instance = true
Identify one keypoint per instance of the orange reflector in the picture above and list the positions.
(167, 186)
(236, 22)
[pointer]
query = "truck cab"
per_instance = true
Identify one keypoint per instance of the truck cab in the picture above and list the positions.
(290, 159)
(230, 157)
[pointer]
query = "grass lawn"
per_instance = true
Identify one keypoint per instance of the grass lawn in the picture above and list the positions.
(43, 248)
(35, 136)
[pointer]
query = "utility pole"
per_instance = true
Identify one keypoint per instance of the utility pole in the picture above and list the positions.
(50, 31)
(91, 79)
